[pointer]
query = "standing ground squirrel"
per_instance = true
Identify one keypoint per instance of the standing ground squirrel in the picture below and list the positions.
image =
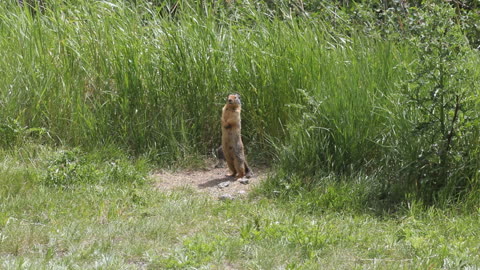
(232, 145)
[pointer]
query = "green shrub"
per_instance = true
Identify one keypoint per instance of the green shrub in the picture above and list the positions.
(440, 107)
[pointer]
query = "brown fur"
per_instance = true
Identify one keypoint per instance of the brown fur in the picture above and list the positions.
(220, 156)
(232, 145)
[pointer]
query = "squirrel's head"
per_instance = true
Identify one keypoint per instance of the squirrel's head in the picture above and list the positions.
(234, 100)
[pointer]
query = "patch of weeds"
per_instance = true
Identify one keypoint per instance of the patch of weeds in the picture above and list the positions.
(12, 132)
(331, 192)
(195, 252)
(67, 168)
(294, 234)
(9, 132)
(15, 181)
(121, 171)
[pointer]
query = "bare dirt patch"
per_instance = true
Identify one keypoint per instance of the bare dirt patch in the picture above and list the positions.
(213, 181)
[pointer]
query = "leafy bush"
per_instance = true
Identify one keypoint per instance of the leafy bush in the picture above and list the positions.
(441, 107)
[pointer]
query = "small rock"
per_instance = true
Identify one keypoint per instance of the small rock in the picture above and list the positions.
(242, 192)
(244, 181)
(225, 197)
(223, 184)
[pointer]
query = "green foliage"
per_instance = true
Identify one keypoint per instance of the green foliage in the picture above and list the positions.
(408, 116)
(143, 81)
(376, 88)
(12, 133)
(195, 252)
(126, 226)
(69, 168)
(359, 194)
(440, 100)
(64, 169)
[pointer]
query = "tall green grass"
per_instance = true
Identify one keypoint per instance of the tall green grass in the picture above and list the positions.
(320, 96)
(111, 72)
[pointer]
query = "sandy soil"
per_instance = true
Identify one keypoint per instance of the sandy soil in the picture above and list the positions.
(211, 181)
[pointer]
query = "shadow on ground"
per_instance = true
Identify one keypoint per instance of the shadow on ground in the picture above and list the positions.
(207, 181)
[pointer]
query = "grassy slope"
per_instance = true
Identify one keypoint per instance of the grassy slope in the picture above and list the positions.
(130, 226)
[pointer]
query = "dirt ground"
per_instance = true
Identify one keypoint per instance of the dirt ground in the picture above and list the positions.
(211, 180)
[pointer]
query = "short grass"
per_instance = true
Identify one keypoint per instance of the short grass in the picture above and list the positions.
(104, 224)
